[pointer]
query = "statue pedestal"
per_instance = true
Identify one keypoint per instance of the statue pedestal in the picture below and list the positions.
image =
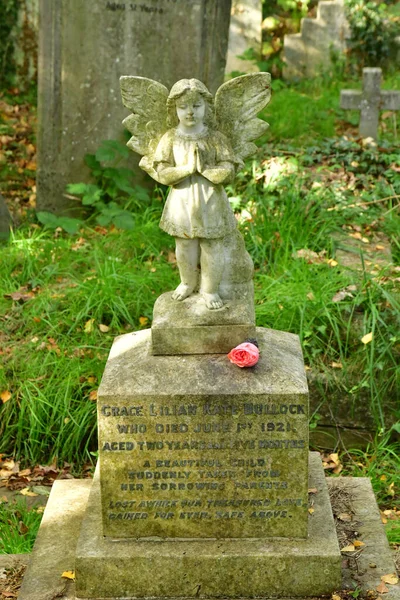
(201, 488)
(189, 327)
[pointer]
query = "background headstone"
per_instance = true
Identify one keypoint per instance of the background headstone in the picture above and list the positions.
(305, 53)
(244, 34)
(370, 101)
(5, 220)
(84, 48)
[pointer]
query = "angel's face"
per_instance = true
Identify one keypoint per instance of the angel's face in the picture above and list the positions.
(191, 108)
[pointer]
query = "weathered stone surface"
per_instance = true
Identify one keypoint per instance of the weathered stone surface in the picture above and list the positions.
(370, 101)
(55, 546)
(188, 327)
(371, 532)
(211, 568)
(244, 33)
(201, 436)
(84, 47)
(54, 549)
(308, 52)
(195, 146)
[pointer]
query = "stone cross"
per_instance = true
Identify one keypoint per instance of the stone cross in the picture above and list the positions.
(370, 101)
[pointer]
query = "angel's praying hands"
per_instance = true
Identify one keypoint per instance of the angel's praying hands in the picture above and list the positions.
(196, 148)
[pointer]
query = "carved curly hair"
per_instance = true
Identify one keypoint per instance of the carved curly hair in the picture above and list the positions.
(189, 85)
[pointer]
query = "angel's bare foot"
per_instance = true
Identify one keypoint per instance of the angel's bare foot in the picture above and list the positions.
(182, 291)
(212, 301)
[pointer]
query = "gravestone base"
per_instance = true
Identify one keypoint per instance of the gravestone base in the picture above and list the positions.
(189, 327)
(55, 546)
(237, 567)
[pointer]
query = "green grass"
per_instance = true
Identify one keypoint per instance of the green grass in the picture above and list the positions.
(310, 109)
(18, 527)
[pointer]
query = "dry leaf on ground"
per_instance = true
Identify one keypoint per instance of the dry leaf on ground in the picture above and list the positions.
(88, 328)
(27, 492)
(391, 579)
(366, 339)
(68, 575)
(381, 588)
(349, 548)
(5, 396)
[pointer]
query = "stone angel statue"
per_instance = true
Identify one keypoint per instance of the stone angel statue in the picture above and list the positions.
(195, 145)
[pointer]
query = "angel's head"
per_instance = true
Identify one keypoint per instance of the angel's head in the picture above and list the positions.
(190, 103)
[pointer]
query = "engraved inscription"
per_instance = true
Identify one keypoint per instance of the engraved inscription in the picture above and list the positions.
(207, 462)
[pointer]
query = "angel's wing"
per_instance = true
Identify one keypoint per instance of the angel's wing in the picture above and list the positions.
(237, 104)
(148, 122)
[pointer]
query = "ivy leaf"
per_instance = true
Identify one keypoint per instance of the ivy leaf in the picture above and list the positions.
(69, 224)
(77, 188)
(124, 221)
(47, 219)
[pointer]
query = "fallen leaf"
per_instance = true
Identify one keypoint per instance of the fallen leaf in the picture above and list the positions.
(310, 296)
(27, 492)
(366, 339)
(358, 544)
(23, 529)
(341, 295)
(41, 490)
(381, 588)
(383, 478)
(336, 597)
(334, 457)
(313, 491)
(143, 321)
(104, 328)
(349, 548)
(24, 473)
(311, 510)
(20, 296)
(92, 379)
(336, 365)
(310, 256)
(344, 517)
(5, 396)
(68, 575)
(88, 328)
(391, 579)
(390, 490)
(332, 262)
(93, 396)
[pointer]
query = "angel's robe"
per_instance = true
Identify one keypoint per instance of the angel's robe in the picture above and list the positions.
(195, 207)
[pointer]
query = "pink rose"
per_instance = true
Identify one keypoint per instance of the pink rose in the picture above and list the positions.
(244, 355)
